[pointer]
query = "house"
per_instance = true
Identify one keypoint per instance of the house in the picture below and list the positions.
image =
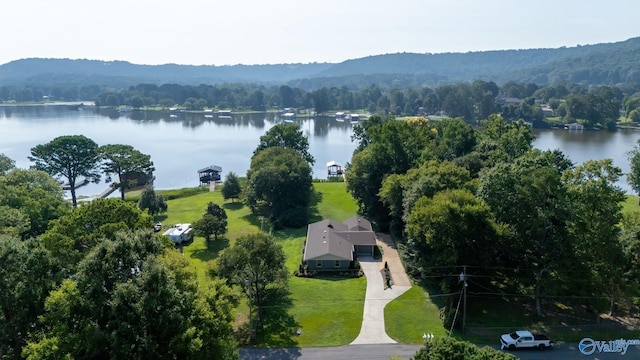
(333, 245)
(180, 233)
(574, 126)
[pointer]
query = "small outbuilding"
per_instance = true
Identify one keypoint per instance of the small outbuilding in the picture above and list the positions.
(334, 169)
(212, 173)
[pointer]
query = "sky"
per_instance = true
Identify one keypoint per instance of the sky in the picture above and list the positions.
(230, 32)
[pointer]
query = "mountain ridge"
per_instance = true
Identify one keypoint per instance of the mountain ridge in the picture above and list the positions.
(595, 64)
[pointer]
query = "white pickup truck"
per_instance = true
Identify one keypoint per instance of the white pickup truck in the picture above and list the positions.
(524, 339)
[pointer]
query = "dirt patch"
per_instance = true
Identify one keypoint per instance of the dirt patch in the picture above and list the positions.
(391, 257)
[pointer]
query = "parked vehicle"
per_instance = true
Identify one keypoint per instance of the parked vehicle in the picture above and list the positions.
(180, 233)
(525, 339)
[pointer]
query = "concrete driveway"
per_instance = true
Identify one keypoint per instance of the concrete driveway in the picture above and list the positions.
(376, 297)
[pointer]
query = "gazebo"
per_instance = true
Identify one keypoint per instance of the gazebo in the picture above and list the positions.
(210, 174)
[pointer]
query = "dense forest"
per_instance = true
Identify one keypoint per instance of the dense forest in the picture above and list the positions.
(596, 106)
(599, 64)
(527, 223)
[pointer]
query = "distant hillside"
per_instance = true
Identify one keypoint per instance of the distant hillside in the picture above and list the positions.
(609, 63)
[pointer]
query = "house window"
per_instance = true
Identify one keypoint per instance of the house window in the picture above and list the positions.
(337, 263)
(318, 263)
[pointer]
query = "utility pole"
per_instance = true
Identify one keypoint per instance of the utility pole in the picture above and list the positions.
(463, 278)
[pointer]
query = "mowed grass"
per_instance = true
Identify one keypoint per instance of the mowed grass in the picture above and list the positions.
(410, 316)
(328, 310)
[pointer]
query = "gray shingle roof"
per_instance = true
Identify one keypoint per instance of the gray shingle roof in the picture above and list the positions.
(336, 239)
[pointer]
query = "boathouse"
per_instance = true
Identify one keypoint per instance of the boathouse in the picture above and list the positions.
(210, 174)
(334, 169)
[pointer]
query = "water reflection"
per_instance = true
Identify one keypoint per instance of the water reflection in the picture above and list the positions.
(178, 145)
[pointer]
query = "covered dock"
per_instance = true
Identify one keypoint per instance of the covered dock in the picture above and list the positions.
(334, 169)
(210, 174)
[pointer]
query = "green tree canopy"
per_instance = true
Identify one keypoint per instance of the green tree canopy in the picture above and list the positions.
(501, 141)
(279, 185)
(385, 147)
(6, 164)
(288, 136)
(69, 156)
(529, 196)
(633, 177)
(597, 214)
(452, 228)
(72, 235)
(126, 162)
(447, 348)
(33, 196)
(152, 202)
(25, 281)
(256, 263)
(213, 222)
(133, 298)
(231, 188)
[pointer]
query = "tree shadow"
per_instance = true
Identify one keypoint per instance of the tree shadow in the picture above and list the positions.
(212, 249)
(263, 353)
(278, 328)
(233, 205)
(160, 217)
(314, 199)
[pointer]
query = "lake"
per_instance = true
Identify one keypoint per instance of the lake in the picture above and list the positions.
(181, 144)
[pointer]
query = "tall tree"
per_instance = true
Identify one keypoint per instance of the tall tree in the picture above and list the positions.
(6, 164)
(25, 281)
(278, 186)
(597, 213)
(133, 298)
(256, 263)
(287, 136)
(69, 156)
(633, 177)
(231, 188)
(152, 202)
(529, 196)
(501, 141)
(35, 196)
(126, 162)
(213, 222)
(453, 228)
(385, 147)
(71, 236)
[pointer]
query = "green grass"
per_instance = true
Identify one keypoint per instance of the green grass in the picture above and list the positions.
(328, 309)
(411, 315)
(486, 321)
(630, 205)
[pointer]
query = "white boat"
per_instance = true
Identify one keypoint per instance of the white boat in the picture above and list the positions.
(289, 117)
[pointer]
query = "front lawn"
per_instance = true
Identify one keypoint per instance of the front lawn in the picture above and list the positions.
(410, 316)
(328, 310)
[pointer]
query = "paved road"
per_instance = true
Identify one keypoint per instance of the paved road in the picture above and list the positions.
(386, 351)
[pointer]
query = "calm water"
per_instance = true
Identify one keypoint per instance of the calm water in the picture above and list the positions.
(581, 146)
(181, 145)
(178, 146)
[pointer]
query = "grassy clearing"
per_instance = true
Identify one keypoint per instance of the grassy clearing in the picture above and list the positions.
(328, 310)
(411, 315)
